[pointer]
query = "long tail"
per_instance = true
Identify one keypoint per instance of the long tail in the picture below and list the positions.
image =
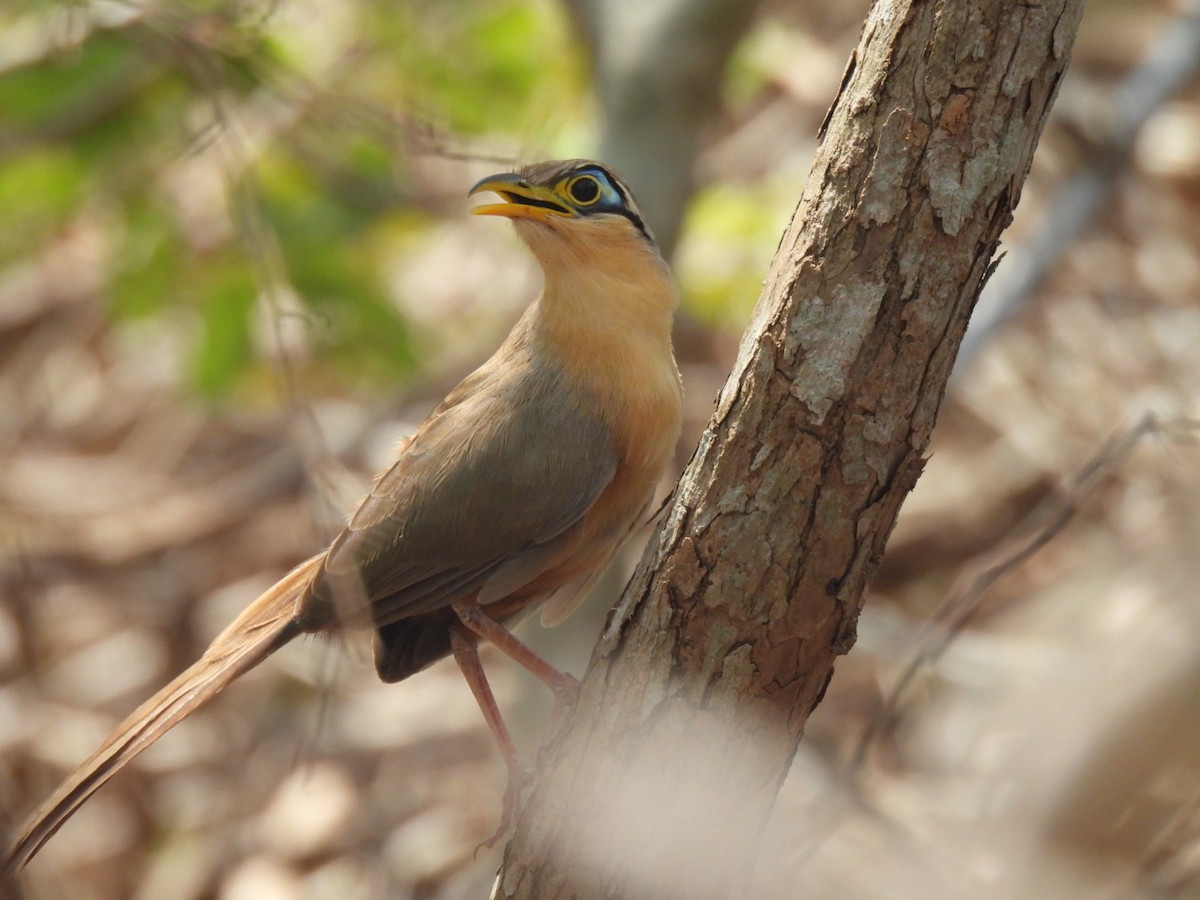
(266, 625)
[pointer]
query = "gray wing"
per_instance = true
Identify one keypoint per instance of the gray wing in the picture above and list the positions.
(480, 493)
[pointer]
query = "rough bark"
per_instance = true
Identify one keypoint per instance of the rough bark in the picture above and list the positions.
(659, 782)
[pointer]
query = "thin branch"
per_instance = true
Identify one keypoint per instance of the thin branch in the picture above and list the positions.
(1038, 529)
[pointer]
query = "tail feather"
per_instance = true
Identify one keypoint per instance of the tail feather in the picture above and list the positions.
(266, 625)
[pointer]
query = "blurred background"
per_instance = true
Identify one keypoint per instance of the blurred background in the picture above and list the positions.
(236, 267)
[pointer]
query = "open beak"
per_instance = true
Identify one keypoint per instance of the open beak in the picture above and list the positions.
(522, 199)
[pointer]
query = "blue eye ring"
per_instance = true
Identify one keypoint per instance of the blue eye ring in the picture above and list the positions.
(584, 190)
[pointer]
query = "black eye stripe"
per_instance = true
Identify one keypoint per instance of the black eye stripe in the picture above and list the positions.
(627, 211)
(533, 201)
(624, 206)
(637, 222)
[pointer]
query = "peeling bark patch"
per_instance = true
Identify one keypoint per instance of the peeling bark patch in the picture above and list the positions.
(737, 668)
(733, 501)
(955, 113)
(887, 190)
(719, 637)
(777, 485)
(684, 571)
(955, 182)
(836, 327)
(1029, 60)
(761, 457)
(744, 542)
(779, 663)
(871, 442)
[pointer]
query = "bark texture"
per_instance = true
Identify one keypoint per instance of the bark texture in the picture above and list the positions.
(659, 782)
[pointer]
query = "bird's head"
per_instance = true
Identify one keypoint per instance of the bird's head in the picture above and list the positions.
(578, 207)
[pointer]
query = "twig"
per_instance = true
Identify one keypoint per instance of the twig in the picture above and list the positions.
(1044, 523)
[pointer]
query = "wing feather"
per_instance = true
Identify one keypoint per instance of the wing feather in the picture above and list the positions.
(485, 485)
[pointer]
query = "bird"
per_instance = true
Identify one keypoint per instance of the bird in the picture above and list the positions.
(514, 493)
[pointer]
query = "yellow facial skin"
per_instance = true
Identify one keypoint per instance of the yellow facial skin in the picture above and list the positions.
(530, 201)
(522, 199)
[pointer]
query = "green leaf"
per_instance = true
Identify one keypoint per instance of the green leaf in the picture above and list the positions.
(150, 262)
(37, 192)
(224, 346)
(70, 85)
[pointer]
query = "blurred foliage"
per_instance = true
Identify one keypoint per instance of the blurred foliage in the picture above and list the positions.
(229, 153)
(732, 234)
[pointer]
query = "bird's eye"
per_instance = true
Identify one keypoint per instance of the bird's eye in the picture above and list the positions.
(584, 190)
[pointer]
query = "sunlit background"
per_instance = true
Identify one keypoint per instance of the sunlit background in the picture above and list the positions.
(236, 267)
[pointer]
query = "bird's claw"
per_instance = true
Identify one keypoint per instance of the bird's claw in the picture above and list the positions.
(519, 778)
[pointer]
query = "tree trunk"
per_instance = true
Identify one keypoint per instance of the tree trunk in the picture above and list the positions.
(660, 781)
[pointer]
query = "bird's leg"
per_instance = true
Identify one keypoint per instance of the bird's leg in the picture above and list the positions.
(466, 654)
(564, 686)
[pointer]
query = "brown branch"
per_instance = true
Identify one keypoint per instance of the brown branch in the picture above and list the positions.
(659, 783)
